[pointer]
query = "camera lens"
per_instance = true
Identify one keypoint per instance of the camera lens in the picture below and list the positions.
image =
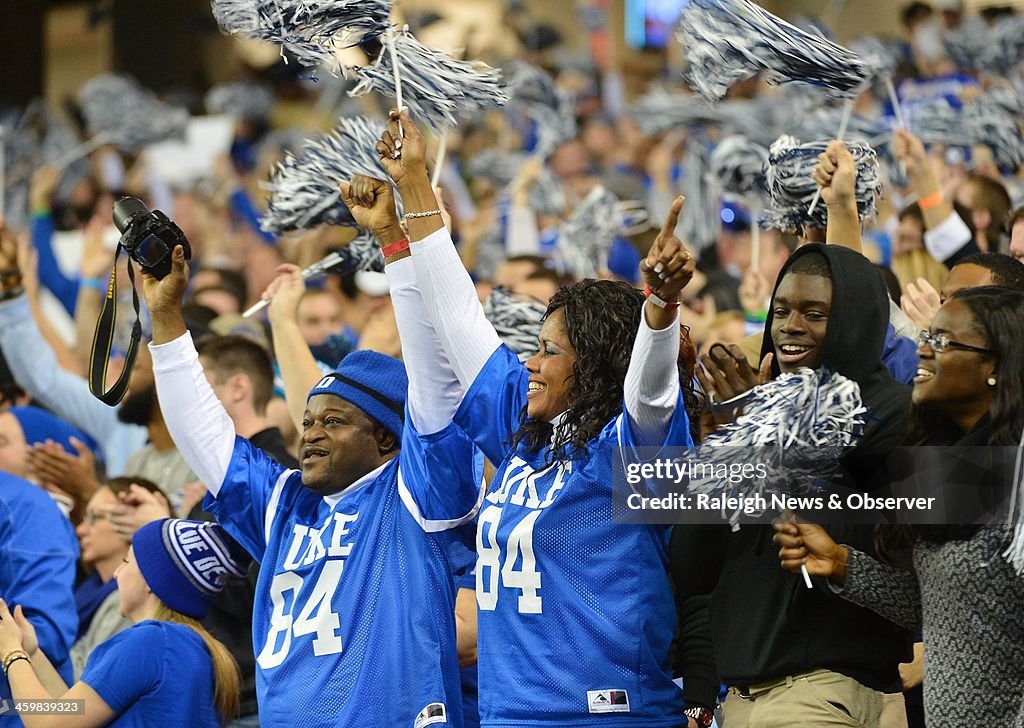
(126, 210)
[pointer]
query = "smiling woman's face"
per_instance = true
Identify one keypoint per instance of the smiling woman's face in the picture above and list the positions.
(800, 312)
(551, 370)
(954, 383)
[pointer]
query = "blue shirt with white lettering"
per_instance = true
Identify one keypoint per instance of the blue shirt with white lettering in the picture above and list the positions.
(155, 674)
(354, 619)
(575, 612)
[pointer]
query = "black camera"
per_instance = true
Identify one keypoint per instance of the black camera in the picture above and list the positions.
(148, 236)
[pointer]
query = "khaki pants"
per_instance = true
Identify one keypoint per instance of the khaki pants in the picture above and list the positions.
(818, 699)
(894, 711)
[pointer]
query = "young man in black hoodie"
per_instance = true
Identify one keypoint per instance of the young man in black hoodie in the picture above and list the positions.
(794, 656)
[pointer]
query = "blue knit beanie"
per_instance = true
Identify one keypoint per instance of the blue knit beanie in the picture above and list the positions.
(375, 383)
(40, 426)
(186, 563)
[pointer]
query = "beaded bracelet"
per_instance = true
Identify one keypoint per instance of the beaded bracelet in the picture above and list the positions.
(414, 215)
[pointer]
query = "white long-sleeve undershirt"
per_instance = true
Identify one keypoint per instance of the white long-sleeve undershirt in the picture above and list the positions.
(197, 421)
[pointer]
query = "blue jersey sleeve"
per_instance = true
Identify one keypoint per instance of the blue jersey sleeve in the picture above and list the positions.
(128, 665)
(490, 411)
(440, 476)
(39, 574)
(248, 497)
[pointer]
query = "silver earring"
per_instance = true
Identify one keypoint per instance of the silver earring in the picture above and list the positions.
(991, 381)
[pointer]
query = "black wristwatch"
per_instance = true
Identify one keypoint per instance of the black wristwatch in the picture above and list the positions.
(704, 716)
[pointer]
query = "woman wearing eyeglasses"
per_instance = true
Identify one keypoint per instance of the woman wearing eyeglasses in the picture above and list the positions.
(103, 550)
(958, 587)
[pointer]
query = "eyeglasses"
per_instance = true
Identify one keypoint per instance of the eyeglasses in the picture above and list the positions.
(940, 342)
(91, 518)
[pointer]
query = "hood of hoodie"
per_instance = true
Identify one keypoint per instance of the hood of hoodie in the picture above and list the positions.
(857, 321)
(855, 339)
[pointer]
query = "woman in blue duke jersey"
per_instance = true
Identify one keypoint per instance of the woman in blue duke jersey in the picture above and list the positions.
(575, 612)
(166, 670)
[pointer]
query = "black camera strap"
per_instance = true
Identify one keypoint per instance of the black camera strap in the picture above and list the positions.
(103, 341)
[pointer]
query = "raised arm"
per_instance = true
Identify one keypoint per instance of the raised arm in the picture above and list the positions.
(651, 390)
(197, 421)
(946, 236)
(836, 174)
(434, 390)
(34, 365)
(44, 183)
(299, 369)
(450, 297)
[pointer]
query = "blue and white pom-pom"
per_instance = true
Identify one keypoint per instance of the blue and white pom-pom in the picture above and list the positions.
(546, 195)
(532, 93)
(738, 165)
(495, 166)
(241, 99)
(992, 119)
(304, 190)
(127, 115)
(791, 189)
(311, 31)
(726, 41)
(801, 423)
(516, 319)
(660, 111)
(587, 236)
(880, 58)
(436, 87)
(975, 45)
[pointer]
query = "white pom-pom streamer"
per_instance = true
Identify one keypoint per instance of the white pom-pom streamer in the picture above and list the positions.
(738, 164)
(516, 319)
(242, 99)
(587, 236)
(310, 30)
(993, 119)
(304, 190)
(436, 87)
(128, 116)
(726, 41)
(532, 92)
(974, 45)
(660, 111)
(803, 423)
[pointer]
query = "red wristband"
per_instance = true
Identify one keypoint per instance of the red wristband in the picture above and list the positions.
(395, 248)
(659, 301)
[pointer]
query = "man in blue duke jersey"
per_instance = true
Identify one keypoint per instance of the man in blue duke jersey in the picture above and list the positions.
(354, 617)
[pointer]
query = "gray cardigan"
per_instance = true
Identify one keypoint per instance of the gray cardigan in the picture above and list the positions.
(969, 603)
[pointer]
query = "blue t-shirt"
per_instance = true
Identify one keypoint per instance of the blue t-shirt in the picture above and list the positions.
(575, 612)
(38, 551)
(354, 617)
(155, 674)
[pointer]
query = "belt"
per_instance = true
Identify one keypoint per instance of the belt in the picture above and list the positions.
(751, 692)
